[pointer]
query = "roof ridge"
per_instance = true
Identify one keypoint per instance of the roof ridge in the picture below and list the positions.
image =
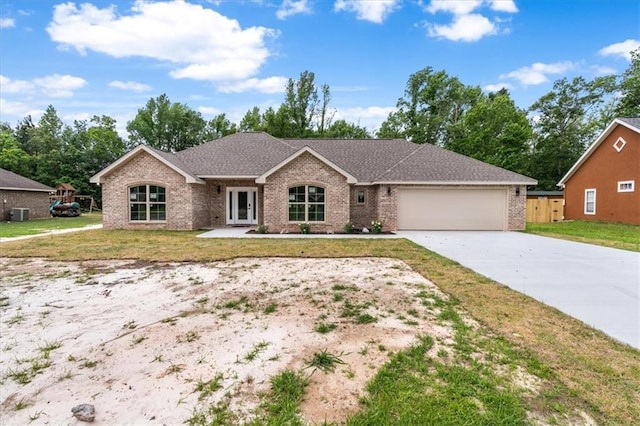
(402, 160)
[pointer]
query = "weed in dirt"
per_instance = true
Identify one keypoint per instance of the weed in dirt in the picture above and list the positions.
(237, 304)
(71, 358)
(157, 358)
(217, 414)
(88, 363)
(35, 416)
(324, 328)
(207, 388)
(413, 313)
(4, 301)
(255, 351)
(140, 339)
(21, 405)
(192, 336)
(66, 376)
(281, 404)
(170, 321)
(271, 308)
(365, 319)
(324, 361)
(130, 325)
(16, 319)
(338, 297)
(48, 347)
(175, 369)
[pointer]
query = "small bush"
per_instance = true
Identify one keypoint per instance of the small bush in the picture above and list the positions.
(305, 228)
(376, 226)
(348, 228)
(262, 229)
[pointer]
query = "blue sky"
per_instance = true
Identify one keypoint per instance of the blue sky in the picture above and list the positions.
(226, 56)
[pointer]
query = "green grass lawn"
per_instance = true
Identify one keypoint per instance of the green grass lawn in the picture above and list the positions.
(39, 226)
(616, 235)
(578, 368)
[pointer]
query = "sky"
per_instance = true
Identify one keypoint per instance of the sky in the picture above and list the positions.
(227, 56)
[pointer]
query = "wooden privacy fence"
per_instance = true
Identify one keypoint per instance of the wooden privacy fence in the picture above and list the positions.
(543, 210)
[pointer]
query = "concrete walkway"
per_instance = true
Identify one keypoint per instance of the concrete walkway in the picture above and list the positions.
(241, 232)
(597, 285)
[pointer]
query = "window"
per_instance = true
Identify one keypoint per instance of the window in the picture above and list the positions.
(626, 186)
(360, 196)
(147, 203)
(590, 201)
(619, 144)
(306, 204)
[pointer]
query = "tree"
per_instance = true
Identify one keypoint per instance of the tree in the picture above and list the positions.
(565, 121)
(12, 157)
(628, 104)
(252, 121)
(432, 102)
(218, 127)
(495, 131)
(301, 102)
(343, 130)
(166, 125)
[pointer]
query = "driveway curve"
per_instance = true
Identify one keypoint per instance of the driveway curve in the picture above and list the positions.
(597, 285)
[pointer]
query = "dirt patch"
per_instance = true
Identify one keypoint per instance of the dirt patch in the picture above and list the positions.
(136, 339)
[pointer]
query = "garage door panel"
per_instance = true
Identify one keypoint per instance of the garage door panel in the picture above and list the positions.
(452, 209)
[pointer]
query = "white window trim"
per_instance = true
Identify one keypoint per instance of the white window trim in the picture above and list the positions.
(307, 203)
(626, 182)
(148, 204)
(586, 191)
(620, 141)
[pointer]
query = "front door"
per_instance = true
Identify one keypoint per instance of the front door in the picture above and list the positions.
(242, 206)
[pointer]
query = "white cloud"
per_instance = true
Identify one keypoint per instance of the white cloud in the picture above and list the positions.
(457, 7)
(200, 43)
(368, 117)
(266, 85)
(497, 87)
(293, 7)
(466, 25)
(11, 109)
(624, 49)
(59, 86)
(508, 6)
(7, 23)
(538, 73)
(603, 70)
(130, 85)
(55, 85)
(464, 28)
(372, 11)
(15, 86)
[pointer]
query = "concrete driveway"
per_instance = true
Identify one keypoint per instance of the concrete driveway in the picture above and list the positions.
(597, 285)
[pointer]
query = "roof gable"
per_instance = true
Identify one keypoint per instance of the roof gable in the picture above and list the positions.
(15, 182)
(166, 158)
(263, 177)
(632, 123)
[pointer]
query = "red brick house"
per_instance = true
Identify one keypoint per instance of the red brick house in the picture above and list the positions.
(253, 178)
(601, 185)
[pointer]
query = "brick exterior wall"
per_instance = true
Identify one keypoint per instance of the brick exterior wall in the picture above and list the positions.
(516, 208)
(387, 210)
(187, 204)
(306, 170)
(37, 202)
(362, 215)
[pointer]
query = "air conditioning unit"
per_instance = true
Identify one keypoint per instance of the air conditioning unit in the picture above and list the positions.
(19, 215)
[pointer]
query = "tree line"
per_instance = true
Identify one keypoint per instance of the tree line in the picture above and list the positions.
(542, 141)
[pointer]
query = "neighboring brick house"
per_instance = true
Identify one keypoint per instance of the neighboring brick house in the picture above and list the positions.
(601, 185)
(254, 178)
(19, 192)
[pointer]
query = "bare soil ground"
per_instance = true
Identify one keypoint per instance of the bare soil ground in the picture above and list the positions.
(136, 339)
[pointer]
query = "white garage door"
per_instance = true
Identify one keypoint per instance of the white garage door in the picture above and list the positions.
(452, 209)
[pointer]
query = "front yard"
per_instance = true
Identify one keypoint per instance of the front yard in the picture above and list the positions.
(617, 235)
(39, 226)
(436, 343)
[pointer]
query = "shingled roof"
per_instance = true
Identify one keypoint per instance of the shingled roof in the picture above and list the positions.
(251, 154)
(15, 182)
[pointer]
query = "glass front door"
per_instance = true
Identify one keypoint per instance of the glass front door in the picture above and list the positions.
(242, 206)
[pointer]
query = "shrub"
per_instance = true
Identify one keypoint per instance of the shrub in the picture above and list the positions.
(262, 229)
(348, 228)
(376, 226)
(305, 228)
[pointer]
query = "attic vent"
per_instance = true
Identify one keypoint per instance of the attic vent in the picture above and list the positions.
(620, 143)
